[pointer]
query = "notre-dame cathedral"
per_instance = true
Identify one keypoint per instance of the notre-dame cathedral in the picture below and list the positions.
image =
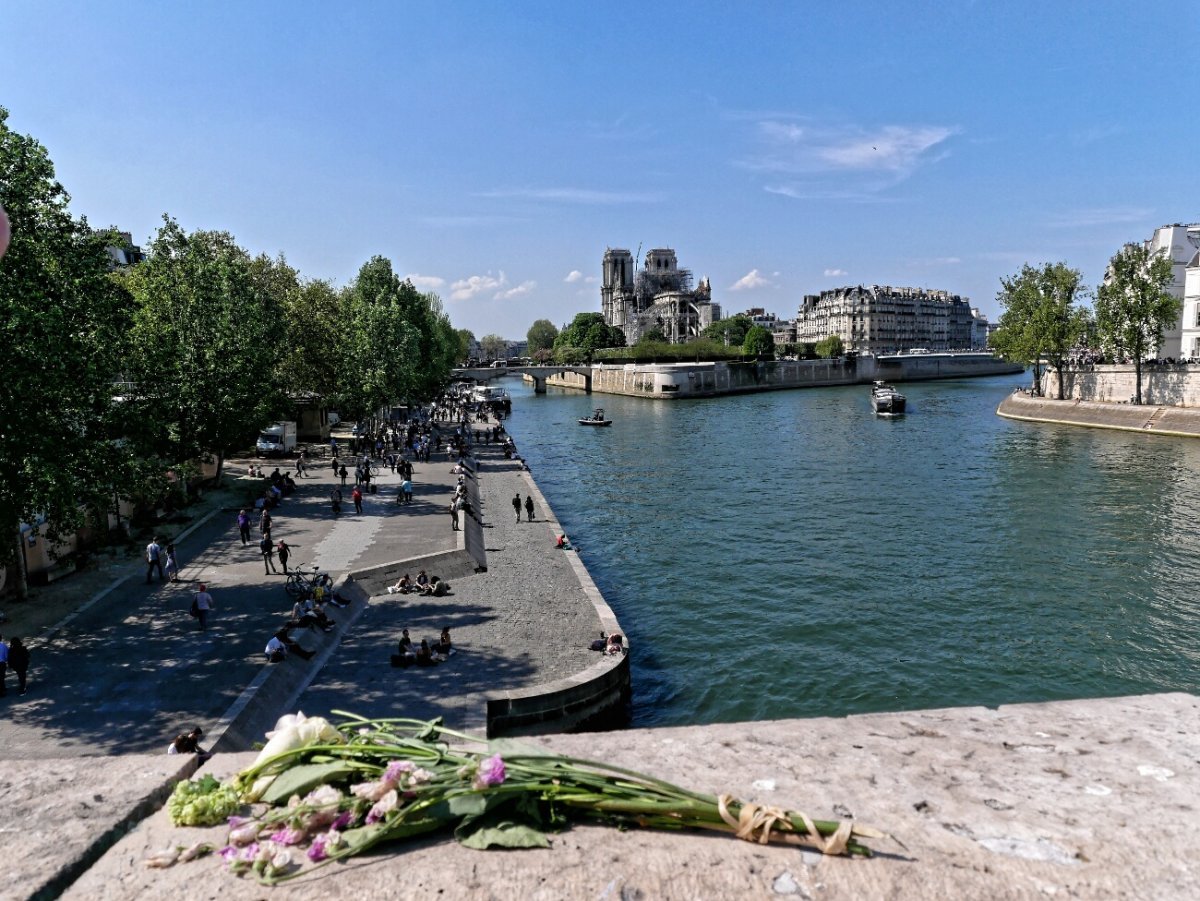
(657, 295)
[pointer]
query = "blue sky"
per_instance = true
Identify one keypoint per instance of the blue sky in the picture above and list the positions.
(493, 151)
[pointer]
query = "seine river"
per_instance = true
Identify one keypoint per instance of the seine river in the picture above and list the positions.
(788, 554)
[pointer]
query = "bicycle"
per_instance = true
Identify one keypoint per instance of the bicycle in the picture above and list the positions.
(300, 584)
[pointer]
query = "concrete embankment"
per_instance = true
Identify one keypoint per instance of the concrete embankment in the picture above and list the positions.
(1072, 799)
(663, 381)
(1146, 419)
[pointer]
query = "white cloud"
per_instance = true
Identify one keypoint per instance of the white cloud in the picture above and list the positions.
(835, 273)
(844, 162)
(425, 282)
(591, 280)
(466, 288)
(577, 195)
(750, 281)
(523, 288)
(573, 276)
(927, 262)
(1087, 218)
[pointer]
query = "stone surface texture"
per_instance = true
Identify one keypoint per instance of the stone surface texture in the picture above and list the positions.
(1074, 799)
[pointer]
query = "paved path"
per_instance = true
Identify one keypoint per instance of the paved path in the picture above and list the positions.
(525, 621)
(130, 671)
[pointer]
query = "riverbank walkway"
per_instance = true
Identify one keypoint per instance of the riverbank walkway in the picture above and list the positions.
(130, 669)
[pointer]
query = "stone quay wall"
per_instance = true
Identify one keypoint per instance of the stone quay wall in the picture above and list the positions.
(1175, 385)
(1152, 419)
(665, 381)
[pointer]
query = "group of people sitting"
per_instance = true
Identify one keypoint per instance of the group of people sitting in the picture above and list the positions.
(309, 612)
(423, 584)
(609, 644)
(425, 654)
(280, 485)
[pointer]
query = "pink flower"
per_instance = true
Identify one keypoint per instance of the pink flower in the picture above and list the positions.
(491, 772)
(396, 769)
(288, 836)
(317, 851)
(244, 833)
(370, 791)
(344, 821)
(383, 806)
(229, 853)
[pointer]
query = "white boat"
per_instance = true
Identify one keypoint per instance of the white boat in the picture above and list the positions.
(597, 418)
(487, 394)
(886, 400)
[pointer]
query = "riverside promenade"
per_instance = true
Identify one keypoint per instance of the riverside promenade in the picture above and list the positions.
(1147, 419)
(129, 669)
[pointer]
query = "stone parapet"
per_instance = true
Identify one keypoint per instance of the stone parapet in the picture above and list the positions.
(1075, 799)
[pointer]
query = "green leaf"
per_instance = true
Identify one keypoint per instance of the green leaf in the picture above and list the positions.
(300, 780)
(472, 804)
(504, 834)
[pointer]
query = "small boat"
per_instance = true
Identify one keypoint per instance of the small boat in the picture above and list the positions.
(886, 400)
(597, 418)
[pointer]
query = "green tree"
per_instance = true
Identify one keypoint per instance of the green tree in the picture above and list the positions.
(731, 331)
(541, 336)
(314, 315)
(830, 347)
(61, 323)
(589, 332)
(1041, 320)
(759, 343)
(465, 338)
(205, 344)
(1133, 308)
(493, 347)
(652, 335)
(390, 341)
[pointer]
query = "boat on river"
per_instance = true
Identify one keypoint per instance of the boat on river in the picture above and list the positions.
(886, 400)
(597, 418)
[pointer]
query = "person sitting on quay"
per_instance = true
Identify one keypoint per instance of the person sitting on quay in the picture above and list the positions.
(563, 543)
(404, 646)
(616, 644)
(403, 586)
(422, 582)
(282, 644)
(189, 743)
(443, 646)
(425, 654)
(288, 485)
(435, 588)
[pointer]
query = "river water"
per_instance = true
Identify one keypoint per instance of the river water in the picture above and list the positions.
(788, 554)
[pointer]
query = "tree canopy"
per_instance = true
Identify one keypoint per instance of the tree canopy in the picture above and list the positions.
(493, 347)
(731, 331)
(1133, 307)
(830, 347)
(541, 336)
(1041, 319)
(759, 343)
(62, 322)
(589, 332)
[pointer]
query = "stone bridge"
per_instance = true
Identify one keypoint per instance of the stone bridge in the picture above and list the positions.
(538, 373)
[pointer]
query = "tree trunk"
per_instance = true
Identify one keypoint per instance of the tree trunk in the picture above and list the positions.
(1137, 368)
(220, 469)
(21, 583)
(1037, 377)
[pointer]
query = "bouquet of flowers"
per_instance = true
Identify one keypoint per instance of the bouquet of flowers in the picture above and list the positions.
(319, 792)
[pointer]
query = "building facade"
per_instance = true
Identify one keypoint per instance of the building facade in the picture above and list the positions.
(1181, 243)
(880, 319)
(658, 294)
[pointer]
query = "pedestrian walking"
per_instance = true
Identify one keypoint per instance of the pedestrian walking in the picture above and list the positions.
(301, 463)
(18, 660)
(335, 498)
(342, 473)
(528, 508)
(406, 491)
(333, 449)
(172, 563)
(154, 555)
(356, 496)
(284, 552)
(3, 667)
(517, 505)
(202, 606)
(455, 505)
(268, 554)
(243, 522)
(264, 523)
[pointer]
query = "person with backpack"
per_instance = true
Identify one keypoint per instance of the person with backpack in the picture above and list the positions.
(154, 554)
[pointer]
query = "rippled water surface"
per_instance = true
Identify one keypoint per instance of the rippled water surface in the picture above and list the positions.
(788, 554)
